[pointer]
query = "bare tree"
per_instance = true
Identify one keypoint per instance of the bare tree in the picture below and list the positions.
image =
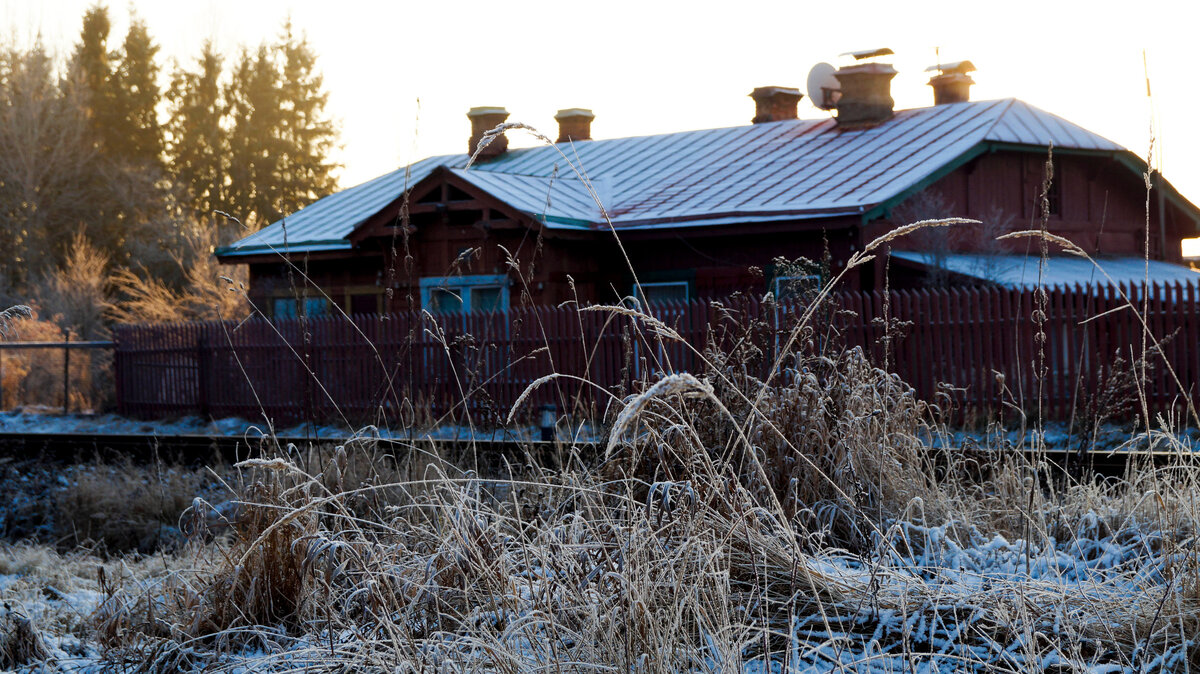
(994, 223)
(933, 242)
(46, 165)
(209, 290)
(77, 294)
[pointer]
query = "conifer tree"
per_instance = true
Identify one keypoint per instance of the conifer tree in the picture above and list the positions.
(91, 65)
(306, 134)
(198, 144)
(124, 187)
(279, 132)
(254, 151)
(135, 136)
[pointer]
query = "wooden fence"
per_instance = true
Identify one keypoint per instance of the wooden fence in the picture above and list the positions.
(950, 345)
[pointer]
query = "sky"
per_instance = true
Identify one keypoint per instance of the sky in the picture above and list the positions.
(402, 75)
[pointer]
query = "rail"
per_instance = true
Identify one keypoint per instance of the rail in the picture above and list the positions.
(491, 454)
(67, 347)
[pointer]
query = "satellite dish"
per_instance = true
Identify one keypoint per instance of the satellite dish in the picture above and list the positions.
(823, 88)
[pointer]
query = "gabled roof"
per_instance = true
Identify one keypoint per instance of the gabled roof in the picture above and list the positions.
(794, 169)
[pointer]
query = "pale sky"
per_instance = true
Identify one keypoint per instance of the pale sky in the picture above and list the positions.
(649, 67)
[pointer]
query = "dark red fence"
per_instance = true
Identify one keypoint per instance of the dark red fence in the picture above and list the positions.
(402, 368)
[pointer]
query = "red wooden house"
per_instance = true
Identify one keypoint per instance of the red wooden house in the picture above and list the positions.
(706, 213)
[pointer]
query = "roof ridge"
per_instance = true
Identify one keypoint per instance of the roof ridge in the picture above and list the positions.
(476, 169)
(1008, 102)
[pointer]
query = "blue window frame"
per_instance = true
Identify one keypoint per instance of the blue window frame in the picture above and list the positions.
(462, 294)
(788, 288)
(660, 291)
(289, 307)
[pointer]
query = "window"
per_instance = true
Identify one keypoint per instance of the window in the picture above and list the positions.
(289, 307)
(458, 294)
(675, 291)
(1035, 176)
(1054, 196)
(791, 288)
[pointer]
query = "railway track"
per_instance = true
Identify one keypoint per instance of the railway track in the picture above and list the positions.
(193, 449)
(205, 448)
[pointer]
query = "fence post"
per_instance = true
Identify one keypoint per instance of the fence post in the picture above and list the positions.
(66, 373)
(118, 376)
(202, 374)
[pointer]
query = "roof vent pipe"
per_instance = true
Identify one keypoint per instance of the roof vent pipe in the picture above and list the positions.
(952, 84)
(574, 124)
(775, 104)
(483, 120)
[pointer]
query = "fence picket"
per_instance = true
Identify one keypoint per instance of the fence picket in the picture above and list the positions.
(958, 337)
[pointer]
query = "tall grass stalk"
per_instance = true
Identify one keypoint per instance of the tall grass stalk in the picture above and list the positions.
(801, 521)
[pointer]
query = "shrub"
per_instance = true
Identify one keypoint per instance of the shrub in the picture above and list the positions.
(120, 507)
(34, 377)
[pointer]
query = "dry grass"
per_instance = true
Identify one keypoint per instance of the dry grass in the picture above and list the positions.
(35, 377)
(735, 521)
(121, 507)
(783, 511)
(794, 525)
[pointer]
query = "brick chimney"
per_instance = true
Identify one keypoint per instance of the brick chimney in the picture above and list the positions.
(574, 124)
(484, 120)
(774, 104)
(866, 94)
(952, 84)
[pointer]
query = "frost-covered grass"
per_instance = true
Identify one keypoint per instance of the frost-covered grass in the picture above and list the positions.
(804, 528)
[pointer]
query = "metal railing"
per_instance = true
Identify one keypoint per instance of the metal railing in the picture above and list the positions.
(67, 347)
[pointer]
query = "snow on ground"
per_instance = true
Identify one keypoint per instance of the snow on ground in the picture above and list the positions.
(35, 421)
(58, 594)
(1055, 435)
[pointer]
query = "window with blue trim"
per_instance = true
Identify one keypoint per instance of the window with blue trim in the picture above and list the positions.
(663, 291)
(461, 294)
(794, 288)
(289, 307)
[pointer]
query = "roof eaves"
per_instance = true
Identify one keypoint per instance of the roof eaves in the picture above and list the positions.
(995, 146)
(259, 249)
(562, 222)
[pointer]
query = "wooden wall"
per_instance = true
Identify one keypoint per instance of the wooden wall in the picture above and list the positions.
(1101, 204)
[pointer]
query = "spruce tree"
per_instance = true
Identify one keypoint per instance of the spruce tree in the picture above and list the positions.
(135, 136)
(198, 144)
(280, 135)
(91, 65)
(306, 133)
(124, 188)
(254, 149)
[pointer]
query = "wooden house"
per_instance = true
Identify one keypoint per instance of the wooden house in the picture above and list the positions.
(707, 213)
